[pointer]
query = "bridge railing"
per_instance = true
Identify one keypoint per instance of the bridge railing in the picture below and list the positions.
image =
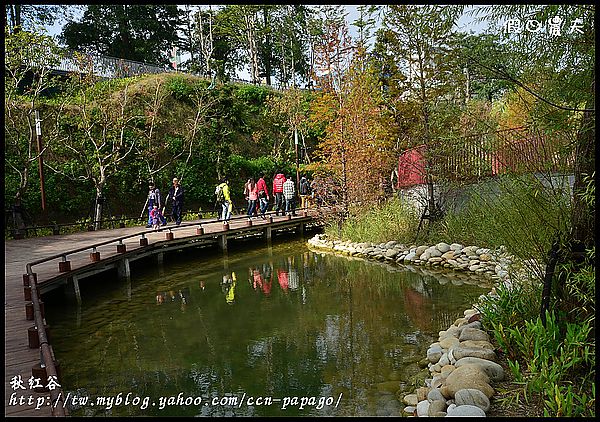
(108, 67)
(141, 234)
(48, 366)
(89, 224)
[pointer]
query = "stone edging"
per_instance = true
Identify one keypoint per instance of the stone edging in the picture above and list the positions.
(462, 362)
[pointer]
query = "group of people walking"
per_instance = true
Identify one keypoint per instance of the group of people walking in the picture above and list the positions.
(156, 216)
(258, 197)
(256, 194)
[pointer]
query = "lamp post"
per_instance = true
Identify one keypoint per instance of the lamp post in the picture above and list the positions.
(296, 148)
(38, 131)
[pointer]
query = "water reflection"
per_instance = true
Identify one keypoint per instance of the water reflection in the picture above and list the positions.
(228, 287)
(294, 282)
(261, 278)
(283, 278)
(305, 324)
(418, 300)
(182, 296)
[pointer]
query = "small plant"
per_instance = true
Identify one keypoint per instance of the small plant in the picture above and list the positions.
(513, 307)
(545, 361)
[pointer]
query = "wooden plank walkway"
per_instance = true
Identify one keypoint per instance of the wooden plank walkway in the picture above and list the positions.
(19, 358)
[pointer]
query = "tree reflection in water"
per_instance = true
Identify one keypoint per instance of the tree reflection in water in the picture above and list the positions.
(329, 325)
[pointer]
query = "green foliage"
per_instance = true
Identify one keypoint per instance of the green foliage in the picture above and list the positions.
(513, 307)
(252, 94)
(179, 87)
(557, 361)
(233, 138)
(150, 31)
(577, 287)
(243, 168)
(240, 169)
(552, 357)
(394, 219)
(589, 194)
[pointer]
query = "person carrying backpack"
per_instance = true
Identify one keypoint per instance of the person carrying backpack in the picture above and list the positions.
(224, 199)
(304, 191)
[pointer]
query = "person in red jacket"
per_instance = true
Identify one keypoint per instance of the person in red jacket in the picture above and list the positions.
(282, 277)
(278, 193)
(263, 195)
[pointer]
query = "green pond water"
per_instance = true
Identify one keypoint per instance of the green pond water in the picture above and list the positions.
(297, 333)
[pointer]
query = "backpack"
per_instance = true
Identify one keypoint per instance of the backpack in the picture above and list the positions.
(304, 188)
(219, 193)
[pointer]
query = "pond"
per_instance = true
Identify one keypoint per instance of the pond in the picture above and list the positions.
(264, 331)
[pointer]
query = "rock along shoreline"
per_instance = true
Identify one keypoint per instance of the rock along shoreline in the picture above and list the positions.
(462, 363)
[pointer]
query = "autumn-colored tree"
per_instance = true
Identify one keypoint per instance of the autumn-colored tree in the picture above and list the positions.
(332, 60)
(356, 148)
(358, 138)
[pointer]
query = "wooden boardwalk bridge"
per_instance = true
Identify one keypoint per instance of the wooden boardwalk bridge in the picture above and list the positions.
(34, 266)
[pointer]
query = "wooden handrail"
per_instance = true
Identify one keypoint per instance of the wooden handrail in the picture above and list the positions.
(47, 359)
(120, 239)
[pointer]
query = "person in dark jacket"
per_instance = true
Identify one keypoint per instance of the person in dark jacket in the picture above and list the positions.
(176, 193)
(304, 190)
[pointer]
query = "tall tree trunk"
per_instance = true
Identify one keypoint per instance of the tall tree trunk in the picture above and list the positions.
(17, 17)
(98, 212)
(126, 52)
(293, 65)
(583, 216)
(206, 41)
(467, 87)
(427, 141)
(99, 203)
(267, 55)
(428, 177)
(189, 33)
(284, 78)
(252, 50)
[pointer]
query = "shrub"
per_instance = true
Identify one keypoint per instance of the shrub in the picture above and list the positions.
(521, 213)
(394, 219)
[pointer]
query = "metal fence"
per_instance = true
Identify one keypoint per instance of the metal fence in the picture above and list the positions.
(108, 67)
(114, 67)
(516, 151)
